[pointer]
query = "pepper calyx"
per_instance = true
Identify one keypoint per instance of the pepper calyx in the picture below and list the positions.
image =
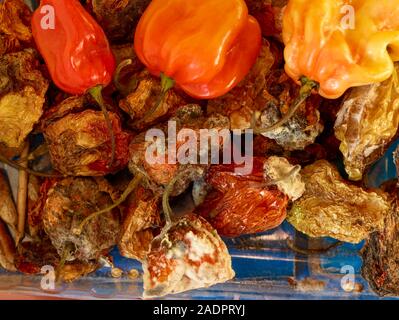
(167, 83)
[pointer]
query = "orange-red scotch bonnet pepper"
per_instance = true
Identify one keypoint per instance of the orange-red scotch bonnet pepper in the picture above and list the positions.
(341, 43)
(206, 46)
(74, 46)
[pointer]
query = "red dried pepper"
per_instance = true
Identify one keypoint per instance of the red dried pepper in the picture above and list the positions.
(239, 204)
(35, 209)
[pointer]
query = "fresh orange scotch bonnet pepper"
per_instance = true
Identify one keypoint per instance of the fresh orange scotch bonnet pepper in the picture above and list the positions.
(206, 46)
(341, 43)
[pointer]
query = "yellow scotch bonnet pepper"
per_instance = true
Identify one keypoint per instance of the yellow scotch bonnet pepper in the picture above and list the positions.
(340, 44)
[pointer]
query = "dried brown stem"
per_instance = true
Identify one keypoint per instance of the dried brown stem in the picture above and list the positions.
(22, 196)
(130, 188)
(124, 89)
(96, 93)
(38, 152)
(304, 93)
(167, 210)
(306, 251)
(25, 168)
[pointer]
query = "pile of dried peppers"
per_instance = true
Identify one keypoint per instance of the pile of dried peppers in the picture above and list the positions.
(313, 83)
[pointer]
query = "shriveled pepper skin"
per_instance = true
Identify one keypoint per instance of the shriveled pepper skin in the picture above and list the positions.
(76, 50)
(341, 43)
(206, 46)
(242, 204)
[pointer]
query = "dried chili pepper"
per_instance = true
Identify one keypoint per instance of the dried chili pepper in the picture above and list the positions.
(269, 14)
(118, 17)
(160, 174)
(7, 249)
(78, 141)
(68, 203)
(15, 33)
(76, 51)
(142, 217)
(252, 203)
(187, 254)
(188, 43)
(22, 96)
(8, 212)
(381, 252)
(31, 256)
(367, 123)
(331, 207)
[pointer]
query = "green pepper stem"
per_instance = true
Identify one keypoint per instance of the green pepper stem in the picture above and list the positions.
(64, 257)
(167, 210)
(125, 90)
(96, 93)
(28, 170)
(166, 84)
(307, 86)
(130, 188)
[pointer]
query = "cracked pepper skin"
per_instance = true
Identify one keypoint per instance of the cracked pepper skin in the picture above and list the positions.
(187, 255)
(332, 207)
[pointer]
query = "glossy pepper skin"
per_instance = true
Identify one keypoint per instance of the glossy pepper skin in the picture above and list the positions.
(242, 204)
(76, 51)
(326, 43)
(206, 46)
